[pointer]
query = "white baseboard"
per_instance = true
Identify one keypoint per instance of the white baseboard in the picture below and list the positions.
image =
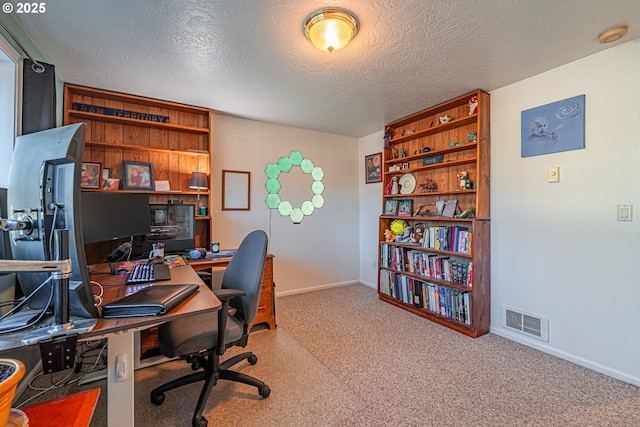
(316, 288)
(533, 343)
(371, 285)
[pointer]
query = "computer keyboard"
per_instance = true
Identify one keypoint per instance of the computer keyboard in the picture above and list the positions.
(141, 273)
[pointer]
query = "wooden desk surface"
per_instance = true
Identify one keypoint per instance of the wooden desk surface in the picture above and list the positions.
(114, 288)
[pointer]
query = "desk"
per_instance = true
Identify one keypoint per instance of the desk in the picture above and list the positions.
(267, 305)
(120, 336)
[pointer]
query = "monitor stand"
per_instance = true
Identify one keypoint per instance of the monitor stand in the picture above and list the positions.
(50, 331)
(62, 324)
(60, 273)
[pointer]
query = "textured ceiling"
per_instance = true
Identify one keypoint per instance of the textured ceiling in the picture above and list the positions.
(249, 58)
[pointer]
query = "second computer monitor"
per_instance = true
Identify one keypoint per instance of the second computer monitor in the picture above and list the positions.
(173, 225)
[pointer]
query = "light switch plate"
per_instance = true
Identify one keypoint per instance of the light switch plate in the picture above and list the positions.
(625, 212)
(554, 174)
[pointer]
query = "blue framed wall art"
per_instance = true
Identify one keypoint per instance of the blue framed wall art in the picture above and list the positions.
(552, 128)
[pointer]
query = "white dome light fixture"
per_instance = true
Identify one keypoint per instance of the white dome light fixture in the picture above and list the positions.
(613, 34)
(330, 29)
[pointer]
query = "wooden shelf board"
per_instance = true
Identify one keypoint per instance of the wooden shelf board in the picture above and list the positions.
(436, 129)
(435, 317)
(434, 280)
(434, 166)
(197, 153)
(135, 122)
(436, 109)
(435, 251)
(457, 148)
(134, 99)
(171, 192)
(430, 193)
(427, 218)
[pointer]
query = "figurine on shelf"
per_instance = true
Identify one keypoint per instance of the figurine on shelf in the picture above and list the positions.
(464, 181)
(428, 186)
(472, 136)
(392, 187)
(473, 105)
(402, 152)
(417, 236)
(423, 210)
(445, 119)
(467, 213)
(388, 133)
(406, 235)
(389, 186)
(389, 236)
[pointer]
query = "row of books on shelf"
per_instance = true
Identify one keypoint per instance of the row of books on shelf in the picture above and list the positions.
(426, 264)
(452, 238)
(443, 300)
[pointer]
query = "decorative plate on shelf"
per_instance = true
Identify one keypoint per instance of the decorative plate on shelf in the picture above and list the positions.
(407, 183)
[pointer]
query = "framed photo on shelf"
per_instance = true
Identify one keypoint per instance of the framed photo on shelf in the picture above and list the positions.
(90, 175)
(137, 176)
(111, 184)
(405, 207)
(373, 168)
(391, 207)
(405, 165)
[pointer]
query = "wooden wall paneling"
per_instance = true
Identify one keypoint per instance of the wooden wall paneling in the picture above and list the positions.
(175, 149)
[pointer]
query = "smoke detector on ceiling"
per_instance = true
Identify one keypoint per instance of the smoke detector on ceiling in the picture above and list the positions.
(613, 34)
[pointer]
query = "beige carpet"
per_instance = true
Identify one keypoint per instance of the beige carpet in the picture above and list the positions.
(340, 357)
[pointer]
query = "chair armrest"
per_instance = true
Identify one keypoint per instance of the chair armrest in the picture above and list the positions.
(227, 294)
(224, 295)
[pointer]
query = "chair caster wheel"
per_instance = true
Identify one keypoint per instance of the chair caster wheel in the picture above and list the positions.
(264, 391)
(157, 399)
(202, 422)
(253, 359)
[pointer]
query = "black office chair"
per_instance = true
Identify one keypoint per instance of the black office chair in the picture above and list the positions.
(202, 339)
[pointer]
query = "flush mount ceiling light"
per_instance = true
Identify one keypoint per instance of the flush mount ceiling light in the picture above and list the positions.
(614, 34)
(330, 29)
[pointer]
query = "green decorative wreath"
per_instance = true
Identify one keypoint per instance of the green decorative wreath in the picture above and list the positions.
(273, 186)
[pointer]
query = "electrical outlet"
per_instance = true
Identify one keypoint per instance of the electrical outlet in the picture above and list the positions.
(554, 174)
(374, 264)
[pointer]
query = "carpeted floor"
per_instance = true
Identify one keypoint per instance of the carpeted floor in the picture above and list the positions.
(340, 357)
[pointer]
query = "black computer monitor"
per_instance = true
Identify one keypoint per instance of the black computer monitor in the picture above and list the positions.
(174, 225)
(111, 216)
(44, 190)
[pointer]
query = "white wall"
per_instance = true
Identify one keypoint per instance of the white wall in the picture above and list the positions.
(557, 248)
(370, 210)
(320, 252)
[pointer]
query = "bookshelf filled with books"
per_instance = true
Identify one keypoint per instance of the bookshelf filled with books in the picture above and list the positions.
(434, 231)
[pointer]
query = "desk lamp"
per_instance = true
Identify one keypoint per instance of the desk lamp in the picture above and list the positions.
(199, 181)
